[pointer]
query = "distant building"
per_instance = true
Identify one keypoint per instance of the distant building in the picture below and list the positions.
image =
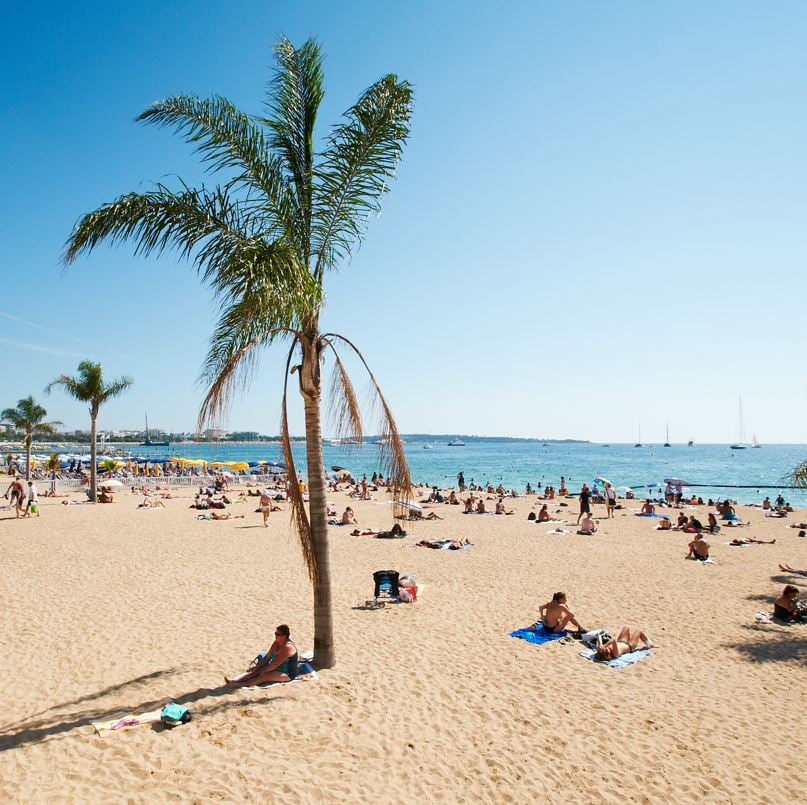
(214, 433)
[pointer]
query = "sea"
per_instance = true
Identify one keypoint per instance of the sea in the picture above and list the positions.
(709, 470)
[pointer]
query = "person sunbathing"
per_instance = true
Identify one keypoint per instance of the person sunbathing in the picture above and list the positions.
(480, 507)
(452, 545)
(787, 569)
(752, 541)
(105, 495)
(787, 606)
(543, 515)
(648, 508)
(227, 516)
(279, 664)
(712, 523)
(395, 531)
(664, 525)
(555, 616)
(624, 643)
(149, 503)
(587, 526)
(693, 526)
(698, 549)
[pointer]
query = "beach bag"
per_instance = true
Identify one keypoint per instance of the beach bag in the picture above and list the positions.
(173, 714)
(531, 516)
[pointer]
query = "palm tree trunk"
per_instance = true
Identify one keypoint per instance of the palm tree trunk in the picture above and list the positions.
(28, 439)
(324, 654)
(93, 458)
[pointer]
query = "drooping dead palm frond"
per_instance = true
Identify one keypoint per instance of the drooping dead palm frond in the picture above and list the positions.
(798, 476)
(392, 459)
(299, 516)
(343, 405)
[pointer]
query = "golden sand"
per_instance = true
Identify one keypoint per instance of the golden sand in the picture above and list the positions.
(111, 609)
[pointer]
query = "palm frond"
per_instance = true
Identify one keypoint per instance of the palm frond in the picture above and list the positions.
(71, 385)
(299, 516)
(343, 404)
(355, 168)
(294, 96)
(227, 138)
(798, 476)
(391, 455)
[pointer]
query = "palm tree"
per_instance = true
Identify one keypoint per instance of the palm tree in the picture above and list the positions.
(798, 476)
(264, 239)
(90, 387)
(27, 417)
(52, 466)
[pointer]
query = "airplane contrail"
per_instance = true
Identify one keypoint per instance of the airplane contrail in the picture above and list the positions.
(73, 338)
(37, 348)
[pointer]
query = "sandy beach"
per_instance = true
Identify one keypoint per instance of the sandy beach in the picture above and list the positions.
(113, 609)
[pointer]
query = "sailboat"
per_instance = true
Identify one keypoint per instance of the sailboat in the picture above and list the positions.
(754, 442)
(667, 443)
(148, 442)
(639, 443)
(739, 445)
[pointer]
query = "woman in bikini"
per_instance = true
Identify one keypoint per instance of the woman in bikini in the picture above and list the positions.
(555, 616)
(787, 607)
(279, 664)
(624, 643)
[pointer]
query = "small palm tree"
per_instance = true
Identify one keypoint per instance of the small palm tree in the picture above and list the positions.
(27, 418)
(798, 476)
(264, 239)
(90, 387)
(52, 465)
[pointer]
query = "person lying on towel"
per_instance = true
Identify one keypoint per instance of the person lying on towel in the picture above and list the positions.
(624, 643)
(279, 664)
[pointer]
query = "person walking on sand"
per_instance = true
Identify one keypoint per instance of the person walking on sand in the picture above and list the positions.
(610, 500)
(33, 500)
(265, 506)
(585, 502)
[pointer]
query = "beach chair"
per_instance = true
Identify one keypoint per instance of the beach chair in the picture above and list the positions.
(386, 586)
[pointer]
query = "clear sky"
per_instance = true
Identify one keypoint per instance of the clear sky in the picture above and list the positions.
(600, 218)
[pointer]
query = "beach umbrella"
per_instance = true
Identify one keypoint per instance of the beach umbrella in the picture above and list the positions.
(411, 506)
(675, 482)
(341, 471)
(600, 480)
(109, 483)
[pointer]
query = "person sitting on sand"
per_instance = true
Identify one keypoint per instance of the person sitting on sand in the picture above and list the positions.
(279, 664)
(555, 615)
(105, 495)
(480, 507)
(348, 517)
(681, 522)
(766, 504)
(453, 500)
(712, 525)
(500, 507)
(469, 505)
(624, 643)
(587, 526)
(665, 524)
(543, 515)
(698, 549)
(788, 608)
(693, 526)
(787, 569)
(648, 507)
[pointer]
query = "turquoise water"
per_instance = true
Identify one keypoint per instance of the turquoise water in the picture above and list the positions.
(514, 464)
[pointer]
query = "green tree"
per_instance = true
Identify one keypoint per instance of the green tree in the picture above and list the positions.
(28, 418)
(52, 466)
(90, 387)
(264, 239)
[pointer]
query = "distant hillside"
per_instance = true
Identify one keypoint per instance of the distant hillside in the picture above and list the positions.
(447, 437)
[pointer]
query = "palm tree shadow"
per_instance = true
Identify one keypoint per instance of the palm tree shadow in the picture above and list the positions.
(57, 726)
(774, 644)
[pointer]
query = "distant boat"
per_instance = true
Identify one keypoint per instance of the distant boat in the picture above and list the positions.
(639, 443)
(754, 442)
(428, 446)
(690, 443)
(739, 445)
(148, 443)
(667, 443)
(456, 443)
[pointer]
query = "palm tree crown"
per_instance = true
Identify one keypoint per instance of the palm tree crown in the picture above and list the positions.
(28, 418)
(283, 215)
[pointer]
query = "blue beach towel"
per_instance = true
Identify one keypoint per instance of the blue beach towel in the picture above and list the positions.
(538, 636)
(657, 516)
(619, 662)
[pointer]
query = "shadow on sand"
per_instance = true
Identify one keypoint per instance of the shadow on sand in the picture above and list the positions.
(51, 724)
(774, 642)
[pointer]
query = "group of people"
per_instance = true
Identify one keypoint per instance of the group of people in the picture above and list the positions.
(17, 496)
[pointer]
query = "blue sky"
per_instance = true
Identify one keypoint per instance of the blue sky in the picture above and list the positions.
(599, 219)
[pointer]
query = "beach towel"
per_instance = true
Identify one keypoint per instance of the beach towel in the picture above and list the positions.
(620, 662)
(539, 635)
(127, 721)
(654, 514)
(306, 673)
